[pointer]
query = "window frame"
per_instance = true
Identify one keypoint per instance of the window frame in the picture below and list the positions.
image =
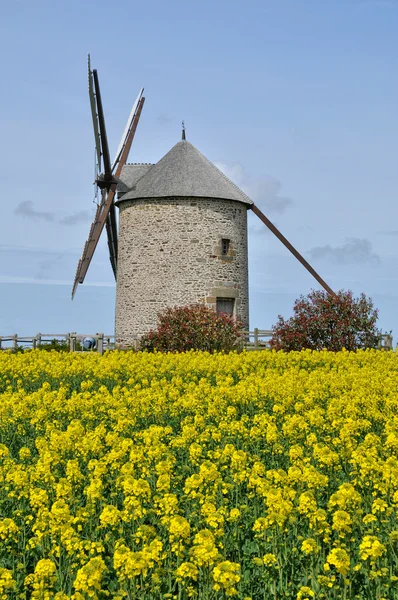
(225, 246)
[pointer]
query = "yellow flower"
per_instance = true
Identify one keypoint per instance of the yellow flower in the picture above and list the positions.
(179, 531)
(214, 518)
(339, 558)
(226, 575)
(305, 593)
(89, 578)
(8, 529)
(342, 521)
(394, 536)
(7, 582)
(110, 516)
(270, 560)
(42, 579)
(367, 519)
(371, 547)
(309, 546)
(204, 551)
(187, 570)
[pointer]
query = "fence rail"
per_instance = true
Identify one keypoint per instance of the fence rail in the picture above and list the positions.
(258, 339)
(73, 340)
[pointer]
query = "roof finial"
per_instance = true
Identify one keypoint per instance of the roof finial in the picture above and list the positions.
(183, 131)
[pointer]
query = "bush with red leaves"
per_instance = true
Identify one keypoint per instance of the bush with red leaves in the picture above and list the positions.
(193, 327)
(321, 320)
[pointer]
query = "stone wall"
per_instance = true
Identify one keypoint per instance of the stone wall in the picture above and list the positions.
(170, 253)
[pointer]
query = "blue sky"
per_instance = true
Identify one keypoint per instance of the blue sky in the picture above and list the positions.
(296, 100)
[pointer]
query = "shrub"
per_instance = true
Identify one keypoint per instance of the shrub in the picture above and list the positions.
(193, 327)
(321, 320)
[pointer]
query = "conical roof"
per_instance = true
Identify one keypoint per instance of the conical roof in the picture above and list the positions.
(185, 172)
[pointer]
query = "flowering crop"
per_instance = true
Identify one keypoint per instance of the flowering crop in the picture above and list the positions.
(260, 475)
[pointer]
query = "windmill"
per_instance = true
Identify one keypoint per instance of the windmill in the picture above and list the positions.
(182, 230)
(107, 180)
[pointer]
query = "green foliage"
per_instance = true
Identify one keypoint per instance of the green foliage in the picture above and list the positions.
(321, 320)
(48, 346)
(193, 327)
(58, 345)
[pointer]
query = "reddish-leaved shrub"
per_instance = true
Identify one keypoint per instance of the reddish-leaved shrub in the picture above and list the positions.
(321, 320)
(193, 327)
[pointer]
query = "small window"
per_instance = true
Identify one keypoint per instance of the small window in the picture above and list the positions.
(225, 305)
(225, 243)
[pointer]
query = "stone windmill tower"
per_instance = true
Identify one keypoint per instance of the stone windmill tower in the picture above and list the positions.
(182, 233)
(182, 240)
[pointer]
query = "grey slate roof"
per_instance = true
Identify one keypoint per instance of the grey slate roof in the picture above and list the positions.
(184, 171)
(130, 174)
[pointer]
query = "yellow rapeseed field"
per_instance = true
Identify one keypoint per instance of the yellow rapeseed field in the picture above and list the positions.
(260, 475)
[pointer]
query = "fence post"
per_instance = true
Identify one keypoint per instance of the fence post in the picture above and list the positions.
(256, 337)
(38, 339)
(390, 341)
(72, 342)
(1, 339)
(100, 342)
(15, 341)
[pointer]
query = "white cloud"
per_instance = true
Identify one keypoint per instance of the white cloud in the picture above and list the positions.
(26, 209)
(357, 251)
(80, 216)
(264, 191)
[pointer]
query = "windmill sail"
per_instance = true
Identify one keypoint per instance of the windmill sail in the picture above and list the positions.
(111, 222)
(105, 213)
(291, 248)
(106, 178)
(127, 129)
(94, 115)
(111, 232)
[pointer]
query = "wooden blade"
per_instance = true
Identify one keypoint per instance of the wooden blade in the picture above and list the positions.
(94, 236)
(94, 114)
(104, 210)
(124, 152)
(104, 140)
(127, 128)
(111, 232)
(120, 161)
(293, 250)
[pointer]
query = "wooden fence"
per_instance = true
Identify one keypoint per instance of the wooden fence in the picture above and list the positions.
(73, 340)
(258, 339)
